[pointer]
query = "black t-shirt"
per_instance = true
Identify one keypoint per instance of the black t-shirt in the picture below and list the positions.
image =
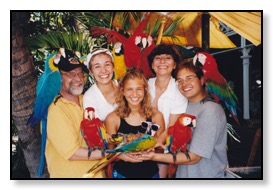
(145, 169)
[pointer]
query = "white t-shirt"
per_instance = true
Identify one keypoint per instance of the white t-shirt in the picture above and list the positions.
(170, 102)
(95, 99)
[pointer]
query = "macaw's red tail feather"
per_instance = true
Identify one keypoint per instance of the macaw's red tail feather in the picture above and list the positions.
(235, 118)
(100, 165)
(172, 170)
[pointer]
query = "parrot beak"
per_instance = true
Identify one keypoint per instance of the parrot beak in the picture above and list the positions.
(116, 138)
(91, 115)
(196, 61)
(86, 114)
(144, 42)
(194, 123)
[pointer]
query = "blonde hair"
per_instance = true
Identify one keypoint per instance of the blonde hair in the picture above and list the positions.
(146, 108)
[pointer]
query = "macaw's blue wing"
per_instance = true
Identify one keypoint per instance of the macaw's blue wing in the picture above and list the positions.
(225, 94)
(48, 87)
(169, 140)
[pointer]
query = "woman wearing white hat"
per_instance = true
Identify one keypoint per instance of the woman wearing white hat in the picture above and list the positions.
(101, 95)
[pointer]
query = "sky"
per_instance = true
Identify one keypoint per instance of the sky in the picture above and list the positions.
(178, 5)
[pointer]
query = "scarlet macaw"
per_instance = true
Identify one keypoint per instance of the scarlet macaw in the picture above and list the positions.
(93, 131)
(136, 48)
(178, 137)
(216, 84)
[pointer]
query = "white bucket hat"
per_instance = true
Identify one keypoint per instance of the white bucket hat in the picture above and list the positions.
(95, 52)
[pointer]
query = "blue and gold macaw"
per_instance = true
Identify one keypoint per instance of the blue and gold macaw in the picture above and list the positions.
(135, 143)
(127, 143)
(48, 87)
(119, 63)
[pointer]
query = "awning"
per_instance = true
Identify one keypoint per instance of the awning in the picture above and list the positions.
(246, 24)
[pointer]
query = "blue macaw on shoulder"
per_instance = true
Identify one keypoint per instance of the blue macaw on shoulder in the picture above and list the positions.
(48, 87)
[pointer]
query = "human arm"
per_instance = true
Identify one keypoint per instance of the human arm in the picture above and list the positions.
(82, 154)
(112, 123)
(159, 120)
(63, 133)
(181, 158)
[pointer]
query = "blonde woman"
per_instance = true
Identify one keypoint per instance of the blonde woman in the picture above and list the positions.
(133, 107)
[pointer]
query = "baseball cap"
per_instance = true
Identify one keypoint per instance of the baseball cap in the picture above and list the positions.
(68, 62)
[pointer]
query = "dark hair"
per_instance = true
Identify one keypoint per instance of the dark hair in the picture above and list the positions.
(168, 49)
(190, 66)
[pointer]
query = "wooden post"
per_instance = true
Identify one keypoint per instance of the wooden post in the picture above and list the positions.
(254, 147)
(205, 31)
(161, 30)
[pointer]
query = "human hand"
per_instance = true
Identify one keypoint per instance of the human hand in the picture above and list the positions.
(147, 155)
(130, 157)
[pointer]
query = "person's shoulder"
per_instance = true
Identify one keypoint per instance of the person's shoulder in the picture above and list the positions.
(158, 113)
(56, 104)
(151, 80)
(90, 89)
(112, 116)
(212, 105)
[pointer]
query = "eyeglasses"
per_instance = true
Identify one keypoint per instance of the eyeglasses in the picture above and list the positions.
(149, 127)
(73, 75)
(187, 79)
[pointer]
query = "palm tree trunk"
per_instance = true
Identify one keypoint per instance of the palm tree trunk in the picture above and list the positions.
(24, 81)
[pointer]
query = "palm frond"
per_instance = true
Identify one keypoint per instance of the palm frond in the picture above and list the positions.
(102, 19)
(155, 28)
(54, 40)
(173, 26)
(124, 18)
(232, 133)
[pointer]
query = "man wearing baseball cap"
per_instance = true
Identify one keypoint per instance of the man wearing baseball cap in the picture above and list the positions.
(66, 150)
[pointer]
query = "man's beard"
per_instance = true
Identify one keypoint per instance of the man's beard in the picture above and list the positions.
(75, 92)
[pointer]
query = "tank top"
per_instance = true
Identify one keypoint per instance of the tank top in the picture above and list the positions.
(145, 169)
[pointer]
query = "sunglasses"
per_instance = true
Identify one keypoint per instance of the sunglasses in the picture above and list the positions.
(149, 128)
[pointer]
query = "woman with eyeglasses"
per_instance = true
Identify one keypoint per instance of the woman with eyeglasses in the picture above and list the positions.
(101, 95)
(164, 92)
(207, 148)
(134, 114)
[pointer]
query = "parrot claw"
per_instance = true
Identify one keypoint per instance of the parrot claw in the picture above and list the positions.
(174, 157)
(102, 152)
(89, 153)
(187, 154)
